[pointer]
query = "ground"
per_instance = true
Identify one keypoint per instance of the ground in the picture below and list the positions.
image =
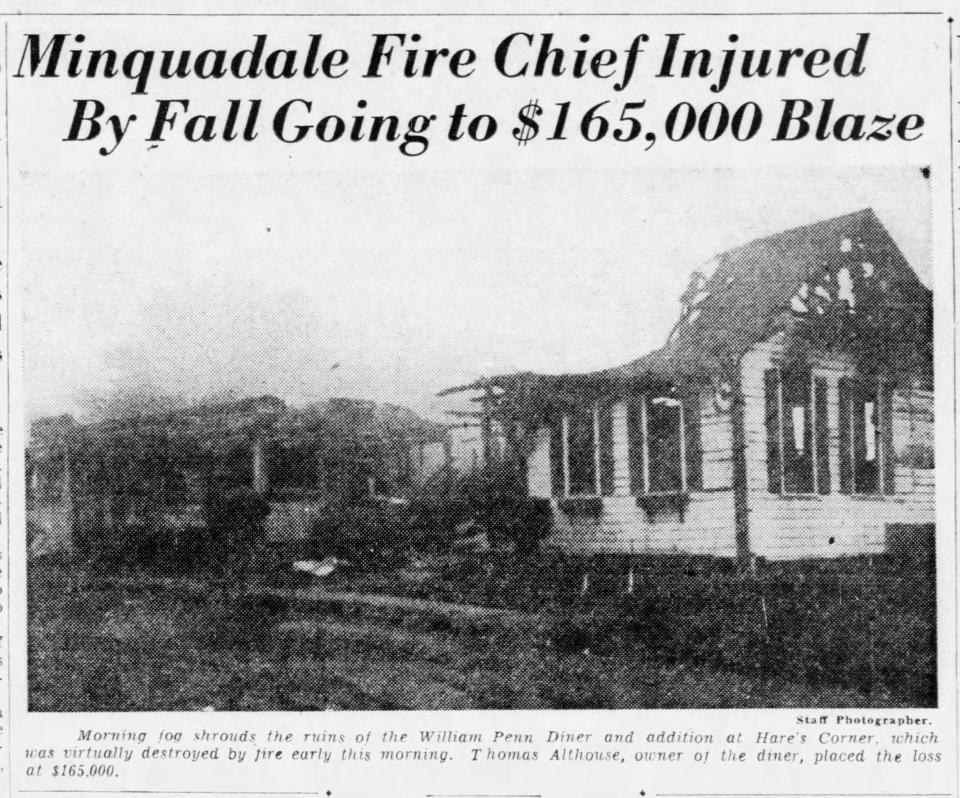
(480, 631)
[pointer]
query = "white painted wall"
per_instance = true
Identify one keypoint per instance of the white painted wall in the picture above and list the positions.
(707, 527)
(781, 527)
(791, 527)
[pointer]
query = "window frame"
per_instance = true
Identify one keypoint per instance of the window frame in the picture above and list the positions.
(645, 400)
(857, 388)
(814, 443)
(565, 426)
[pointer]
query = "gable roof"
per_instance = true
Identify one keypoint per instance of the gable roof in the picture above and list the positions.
(750, 291)
(747, 299)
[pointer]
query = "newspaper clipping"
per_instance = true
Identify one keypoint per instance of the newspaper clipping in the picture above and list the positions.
(479, 401)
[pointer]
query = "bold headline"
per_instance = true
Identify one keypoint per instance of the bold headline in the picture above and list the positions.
(623, 117)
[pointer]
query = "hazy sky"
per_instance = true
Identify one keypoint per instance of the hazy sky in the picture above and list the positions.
(388, 286)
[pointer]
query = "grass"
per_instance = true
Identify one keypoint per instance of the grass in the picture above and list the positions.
(843, 634)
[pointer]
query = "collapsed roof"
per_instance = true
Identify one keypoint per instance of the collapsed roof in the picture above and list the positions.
(783, 282)
(223, 423)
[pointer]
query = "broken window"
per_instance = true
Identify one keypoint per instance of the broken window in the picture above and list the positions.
(664, 444)
(581, 451)
(866, 452)
(797, 402)
(797, 433)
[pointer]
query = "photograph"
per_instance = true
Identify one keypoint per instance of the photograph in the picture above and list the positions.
(429, 439)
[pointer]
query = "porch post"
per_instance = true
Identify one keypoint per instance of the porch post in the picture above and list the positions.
(741, 510)
(564, 451)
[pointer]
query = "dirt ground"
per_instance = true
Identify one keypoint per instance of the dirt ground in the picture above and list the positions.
(139, 642)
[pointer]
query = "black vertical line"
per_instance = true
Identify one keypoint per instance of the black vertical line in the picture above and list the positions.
(741, 502)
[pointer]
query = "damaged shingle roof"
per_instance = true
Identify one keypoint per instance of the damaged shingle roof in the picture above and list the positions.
(747, 299)
(750, 291)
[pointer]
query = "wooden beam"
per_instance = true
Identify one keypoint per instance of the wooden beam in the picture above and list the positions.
(741, 508)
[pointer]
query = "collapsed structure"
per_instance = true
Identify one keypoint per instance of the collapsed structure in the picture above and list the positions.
(788, 415)
(160, 467)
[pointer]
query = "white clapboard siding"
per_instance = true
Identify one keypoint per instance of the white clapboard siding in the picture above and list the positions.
(623, 527)
(790, 527)
(707, 527)
(621, 453)
(716, 443)
(780, 527)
